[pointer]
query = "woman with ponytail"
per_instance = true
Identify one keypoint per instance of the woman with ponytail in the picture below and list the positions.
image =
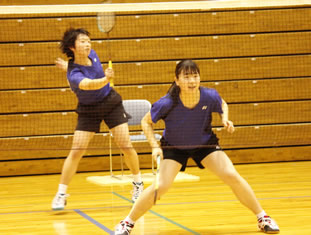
(187, 112)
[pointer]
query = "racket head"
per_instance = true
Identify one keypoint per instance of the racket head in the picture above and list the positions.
(106, 21)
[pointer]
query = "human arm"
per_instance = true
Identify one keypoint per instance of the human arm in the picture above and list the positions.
(61, 64)
(147, 126)
(95, 84)
(228, 125)
(86, 83)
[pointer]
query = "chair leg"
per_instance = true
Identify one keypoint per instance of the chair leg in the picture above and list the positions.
(110, 154)
(121, 158)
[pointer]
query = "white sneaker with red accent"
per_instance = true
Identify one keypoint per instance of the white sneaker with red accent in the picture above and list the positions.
(268, 225)
(124, 228)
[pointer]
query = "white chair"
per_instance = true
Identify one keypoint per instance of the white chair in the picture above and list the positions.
(137, 110)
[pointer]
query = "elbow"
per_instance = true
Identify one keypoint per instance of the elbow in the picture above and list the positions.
(146, 122)
(143, 123)
(84, 85)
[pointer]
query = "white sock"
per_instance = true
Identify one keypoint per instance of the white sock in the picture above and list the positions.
(128, 219)
(261, 214)
(137, 178)
(62, 188)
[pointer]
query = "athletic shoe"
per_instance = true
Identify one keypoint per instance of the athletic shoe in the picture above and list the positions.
(59, 202)
(124, 228)
(137, 190)
(268, 225)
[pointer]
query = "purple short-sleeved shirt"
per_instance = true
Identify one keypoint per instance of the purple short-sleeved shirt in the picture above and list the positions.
(184, 127)
(76, 73)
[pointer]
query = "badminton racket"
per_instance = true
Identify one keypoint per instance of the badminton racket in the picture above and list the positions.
(105, 23)
(156, 187)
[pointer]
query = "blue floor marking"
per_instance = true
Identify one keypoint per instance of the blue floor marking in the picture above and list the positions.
(161, 216)
(94, 221)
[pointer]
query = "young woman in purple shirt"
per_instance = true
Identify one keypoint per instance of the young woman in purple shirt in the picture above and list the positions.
(186, 111)
(97, 102)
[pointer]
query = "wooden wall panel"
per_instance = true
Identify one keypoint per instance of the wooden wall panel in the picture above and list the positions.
(42, 147)
(240, 114)
(266, 135)
(244, 137)
(61, 2)
(32, 77)
(147, 72)
(270, 154)
(87, 164)
(231, 91)
(140, 25)
(223, 46)
(258, 59)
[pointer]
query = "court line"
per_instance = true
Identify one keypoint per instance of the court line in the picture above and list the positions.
(93, 221)
(161, 216)
(129, 206)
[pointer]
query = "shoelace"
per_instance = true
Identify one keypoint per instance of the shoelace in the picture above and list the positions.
(137, 189)
(265, 220)
(127, 226)
(61, 197)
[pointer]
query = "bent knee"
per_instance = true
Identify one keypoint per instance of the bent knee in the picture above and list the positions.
(231, 177)
(77, 153)
(162, 189)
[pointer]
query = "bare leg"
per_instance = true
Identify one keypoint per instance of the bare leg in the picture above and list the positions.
(122, 139)
(168, 171)
(80, 142)
(220, 164)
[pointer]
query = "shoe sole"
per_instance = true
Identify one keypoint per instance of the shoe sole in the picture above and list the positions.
(271, 231)
(58, 209)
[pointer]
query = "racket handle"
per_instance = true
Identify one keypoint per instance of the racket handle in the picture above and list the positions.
(111, 80)
(158, 160)
(111, 83)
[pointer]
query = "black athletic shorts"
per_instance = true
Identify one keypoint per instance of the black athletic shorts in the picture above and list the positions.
(110, 110)
(197, 154)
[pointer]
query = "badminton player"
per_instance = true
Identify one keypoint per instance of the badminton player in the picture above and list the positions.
(97, 102)
(186, 110)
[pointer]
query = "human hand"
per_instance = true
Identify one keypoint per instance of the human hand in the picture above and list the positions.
(228, 125)
(61, 64)
(157, 151)
(109, 73)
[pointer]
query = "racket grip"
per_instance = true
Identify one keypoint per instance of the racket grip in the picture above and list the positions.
(111, 83)
(158, 160)
(111, 80)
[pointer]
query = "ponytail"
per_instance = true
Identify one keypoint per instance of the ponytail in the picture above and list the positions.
(173, 91)
(185, 66)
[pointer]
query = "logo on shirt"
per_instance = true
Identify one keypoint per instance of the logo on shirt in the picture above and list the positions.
(204, 107)
(95, 60)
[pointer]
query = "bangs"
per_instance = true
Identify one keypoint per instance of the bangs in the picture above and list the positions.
(190, 70)
(187, 67)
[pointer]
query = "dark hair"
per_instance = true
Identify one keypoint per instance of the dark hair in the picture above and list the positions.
(186, 67)
(69, 39)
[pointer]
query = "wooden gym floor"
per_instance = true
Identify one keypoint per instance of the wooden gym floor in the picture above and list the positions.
(201, 207)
